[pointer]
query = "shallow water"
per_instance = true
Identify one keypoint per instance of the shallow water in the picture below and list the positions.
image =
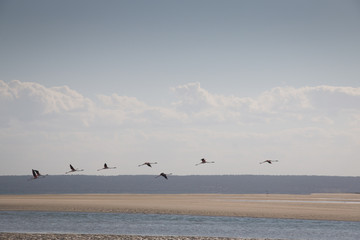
(176, 225)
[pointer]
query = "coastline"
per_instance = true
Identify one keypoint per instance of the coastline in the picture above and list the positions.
(340, 207)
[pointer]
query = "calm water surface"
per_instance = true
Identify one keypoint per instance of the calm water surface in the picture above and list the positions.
(176, 225)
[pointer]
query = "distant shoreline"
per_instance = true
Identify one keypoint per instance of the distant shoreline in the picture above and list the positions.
(342, 207)
(50, 236)
(192, 184)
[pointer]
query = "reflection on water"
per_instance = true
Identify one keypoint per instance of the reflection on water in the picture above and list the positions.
(159, 224)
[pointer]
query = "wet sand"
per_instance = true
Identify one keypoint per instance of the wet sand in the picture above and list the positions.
(343, 207)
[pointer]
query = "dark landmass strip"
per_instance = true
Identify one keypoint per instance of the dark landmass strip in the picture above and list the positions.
(37, 236)
(148, 184)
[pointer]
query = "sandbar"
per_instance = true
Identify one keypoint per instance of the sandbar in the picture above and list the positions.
(341, 207)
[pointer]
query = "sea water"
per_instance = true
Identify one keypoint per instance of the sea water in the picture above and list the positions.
(176, 225)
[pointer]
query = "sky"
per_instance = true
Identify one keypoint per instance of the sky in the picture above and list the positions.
(235, 82)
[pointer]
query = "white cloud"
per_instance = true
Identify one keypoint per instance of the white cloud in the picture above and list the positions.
(318, 104)
(50, 100)
(332, 99)
(282, 99)
(28, 101)
(194, 96)
(5, 92)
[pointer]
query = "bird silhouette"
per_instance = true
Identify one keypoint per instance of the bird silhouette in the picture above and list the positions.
(72, 169)
(269, 161)
(147, 164)
(106, 167)
(203, 161)
(163, 175)
(36, 174)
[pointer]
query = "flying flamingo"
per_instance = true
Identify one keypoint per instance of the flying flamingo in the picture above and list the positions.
(74, 170)
(36, 174)
(203, 161)
(147, 163)
(163, 175)
(269, 161)
(106, 167)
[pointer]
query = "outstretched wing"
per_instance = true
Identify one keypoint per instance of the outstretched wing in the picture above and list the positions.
(72, 168)
(34, 173)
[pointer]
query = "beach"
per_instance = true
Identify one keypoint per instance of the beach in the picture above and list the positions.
(341, 207)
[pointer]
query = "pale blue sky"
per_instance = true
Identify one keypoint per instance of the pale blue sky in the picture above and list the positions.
(186, 61)
(233, 47)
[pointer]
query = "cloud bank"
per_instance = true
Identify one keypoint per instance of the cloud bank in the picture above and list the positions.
(316, 123)
(29, 101)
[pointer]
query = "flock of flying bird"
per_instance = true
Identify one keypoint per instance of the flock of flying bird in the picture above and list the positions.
(36, 174)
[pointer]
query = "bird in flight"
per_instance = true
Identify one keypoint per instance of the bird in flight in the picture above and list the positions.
(72, 169)
(269, 161)
(147, 163)
(203, 161)
(163, 175)
(36, 174)
(106, 167)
